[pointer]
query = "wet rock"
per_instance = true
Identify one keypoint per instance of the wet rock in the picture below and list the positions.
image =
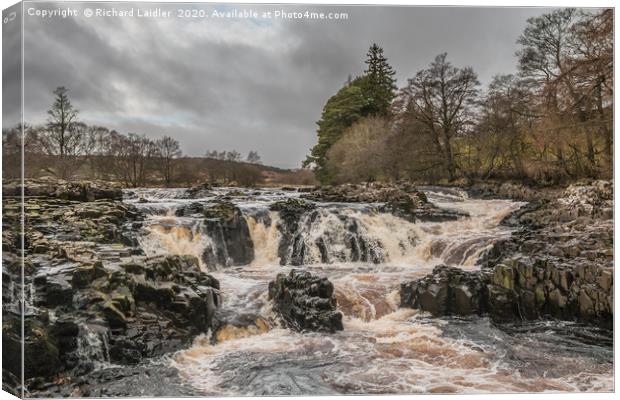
(41, 355)
(555, 264)
(291, 212)
(404, 196)
(299, 246)
(189, 209)
(92, 297)
(83, 276)
(305, 302)
(403, 200)
(55, 188)
(507, 190)
(114, 316)
(199, 191)
(226, 225)
(448, 290)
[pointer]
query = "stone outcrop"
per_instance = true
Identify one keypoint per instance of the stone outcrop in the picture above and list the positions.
(59, 189)
(91, 295)
(448, 290)
(558, 263)
(291, 212)
(305, 302)
(199, 191)
(403, 200)
(228, 229)
(298, 217)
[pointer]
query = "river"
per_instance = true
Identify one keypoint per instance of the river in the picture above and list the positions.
(383, 349)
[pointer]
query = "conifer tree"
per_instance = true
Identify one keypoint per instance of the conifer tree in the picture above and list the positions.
(381, 82)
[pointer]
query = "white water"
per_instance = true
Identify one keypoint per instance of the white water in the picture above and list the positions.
(383, 349)
(93, 345)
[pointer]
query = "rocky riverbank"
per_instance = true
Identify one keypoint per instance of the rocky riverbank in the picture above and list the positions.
(558, 263)
(114, 288)
(92, 297)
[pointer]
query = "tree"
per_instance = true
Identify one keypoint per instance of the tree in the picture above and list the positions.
(381, 84)
(497, 144)
(167, 150)
(594, 47)
(253, 157)
(64, 137)
(233, 155)
(343, 109)
(359, 155)
(441, 98)
(568, 55)
(132, 156)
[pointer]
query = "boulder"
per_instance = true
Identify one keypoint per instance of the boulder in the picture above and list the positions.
(228, 228)
(447, 290)
(305, 302)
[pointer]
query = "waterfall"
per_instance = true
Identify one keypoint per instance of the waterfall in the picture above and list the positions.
(175, 235)
(93, 345)
(265, 238)
(329, 234)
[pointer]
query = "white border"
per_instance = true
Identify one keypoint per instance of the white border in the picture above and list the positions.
(481, 3)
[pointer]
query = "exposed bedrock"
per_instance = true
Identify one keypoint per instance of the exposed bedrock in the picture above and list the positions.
(226, 226)
(447, 290)
(140, 309)
(310, 235)
(558, 263)
(55, 188)
(305, 302)
(403, 200)
(90, 294)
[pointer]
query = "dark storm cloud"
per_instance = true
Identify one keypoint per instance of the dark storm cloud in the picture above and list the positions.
(11, 68)
(224, 84)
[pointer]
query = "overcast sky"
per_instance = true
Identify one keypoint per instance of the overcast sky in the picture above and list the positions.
(238, 83)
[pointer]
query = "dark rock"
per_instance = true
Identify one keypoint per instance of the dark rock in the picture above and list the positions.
(199, 191)
(226, 225)
(55, 188)
(554, 265)
(189, 209)
(83, 276)
(448, 290)
(305, 302)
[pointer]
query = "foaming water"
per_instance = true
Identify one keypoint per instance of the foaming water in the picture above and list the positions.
(383, 349)
(175, 235)
(265, 237)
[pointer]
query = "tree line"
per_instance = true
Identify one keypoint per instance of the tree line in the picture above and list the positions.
(549, 123)
(66, 147)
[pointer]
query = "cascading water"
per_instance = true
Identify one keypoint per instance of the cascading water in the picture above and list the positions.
(93, 346)
(383, 349)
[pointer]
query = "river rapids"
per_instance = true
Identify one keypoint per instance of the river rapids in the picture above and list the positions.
(383, 349)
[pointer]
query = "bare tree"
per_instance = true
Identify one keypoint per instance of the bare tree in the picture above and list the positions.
(167, 150)
(442, 98)
(253, 157)
(132, 156)
(233, 155)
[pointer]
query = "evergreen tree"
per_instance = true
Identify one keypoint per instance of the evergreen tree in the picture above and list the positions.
(368, 95)
(341, 111)
(381, 82)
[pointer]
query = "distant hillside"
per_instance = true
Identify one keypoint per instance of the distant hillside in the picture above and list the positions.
(186, 171)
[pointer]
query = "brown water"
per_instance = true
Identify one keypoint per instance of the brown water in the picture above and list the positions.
(383, 349)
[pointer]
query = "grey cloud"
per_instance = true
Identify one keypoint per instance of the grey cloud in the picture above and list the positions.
(222, 84)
